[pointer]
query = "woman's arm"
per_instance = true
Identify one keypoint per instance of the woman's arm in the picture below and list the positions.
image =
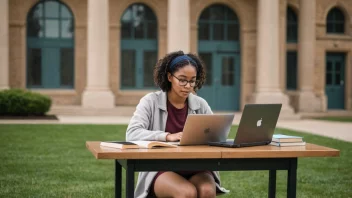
(140, 121)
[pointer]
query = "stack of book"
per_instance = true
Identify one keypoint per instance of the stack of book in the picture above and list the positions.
(287, 140)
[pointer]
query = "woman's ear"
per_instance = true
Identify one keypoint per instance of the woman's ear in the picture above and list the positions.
(169, 76)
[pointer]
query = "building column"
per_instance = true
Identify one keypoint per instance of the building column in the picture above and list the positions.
(4, 44)
(268, 72)
(178, 26)
(307, 101)
(97, 93)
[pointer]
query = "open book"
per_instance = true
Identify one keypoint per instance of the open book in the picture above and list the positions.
(136, 144)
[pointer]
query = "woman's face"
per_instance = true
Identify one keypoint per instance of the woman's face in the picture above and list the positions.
(179, 79)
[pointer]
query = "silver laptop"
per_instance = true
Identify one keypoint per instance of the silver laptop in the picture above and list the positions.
(200, 129)
(257, 126)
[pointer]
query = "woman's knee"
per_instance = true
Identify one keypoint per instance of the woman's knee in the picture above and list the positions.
(207, 190)
(187, 191)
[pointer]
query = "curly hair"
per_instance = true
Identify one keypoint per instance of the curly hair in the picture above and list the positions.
(162, 68)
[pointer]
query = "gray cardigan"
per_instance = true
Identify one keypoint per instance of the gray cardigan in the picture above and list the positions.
(148, 123)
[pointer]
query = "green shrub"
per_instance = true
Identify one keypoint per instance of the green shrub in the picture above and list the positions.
(18, 102)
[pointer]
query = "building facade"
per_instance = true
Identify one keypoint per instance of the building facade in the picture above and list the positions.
(102, 53)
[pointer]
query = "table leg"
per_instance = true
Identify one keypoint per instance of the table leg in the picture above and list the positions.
(130, 180)
(292, 179)
(272, 184)
(118, 178)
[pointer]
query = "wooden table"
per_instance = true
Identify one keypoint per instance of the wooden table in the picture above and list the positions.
(268, 157)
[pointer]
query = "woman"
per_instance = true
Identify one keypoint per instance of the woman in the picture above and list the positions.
(161, 115)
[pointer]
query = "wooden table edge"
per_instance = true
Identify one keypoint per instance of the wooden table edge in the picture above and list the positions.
(94, 153)
(226, 154)
(294, 154)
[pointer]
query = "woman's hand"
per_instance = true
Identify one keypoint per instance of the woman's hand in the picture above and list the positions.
(174, 137)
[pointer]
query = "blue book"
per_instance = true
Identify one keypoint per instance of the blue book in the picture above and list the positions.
(286, 138)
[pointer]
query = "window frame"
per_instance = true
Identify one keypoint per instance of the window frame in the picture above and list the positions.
(139, 46)
(43, 42)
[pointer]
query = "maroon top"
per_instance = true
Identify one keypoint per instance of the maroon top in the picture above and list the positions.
(176, 118)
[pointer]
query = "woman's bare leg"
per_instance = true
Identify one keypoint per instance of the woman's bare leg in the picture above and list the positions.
(170, 184)
(205, 185)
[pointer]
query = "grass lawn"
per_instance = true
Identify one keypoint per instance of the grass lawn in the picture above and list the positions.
(52, 161)
(338, 119)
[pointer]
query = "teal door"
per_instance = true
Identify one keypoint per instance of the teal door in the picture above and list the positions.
(51, 61)
(137, 60)
(227, 82)
(335, 80)
(222, 86)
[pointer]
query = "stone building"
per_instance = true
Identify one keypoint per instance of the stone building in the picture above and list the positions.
(101, 53)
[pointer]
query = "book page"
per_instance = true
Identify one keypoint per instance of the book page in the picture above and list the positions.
(142, 144)
(150, 144)
(161, 144)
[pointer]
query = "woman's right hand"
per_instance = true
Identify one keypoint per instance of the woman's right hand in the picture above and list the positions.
(174, 137)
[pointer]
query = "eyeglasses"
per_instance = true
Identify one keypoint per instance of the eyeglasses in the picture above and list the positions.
(183, 82)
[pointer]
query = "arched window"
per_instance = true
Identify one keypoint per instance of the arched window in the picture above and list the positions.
(218, 22)
(292, 26)
(139, 47)
(219, 48)
(335, 22)
(50, 46)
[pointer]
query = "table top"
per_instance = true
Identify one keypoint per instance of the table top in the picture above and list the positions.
(211, 152)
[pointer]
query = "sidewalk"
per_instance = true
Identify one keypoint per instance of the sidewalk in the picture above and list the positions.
(337, 130)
